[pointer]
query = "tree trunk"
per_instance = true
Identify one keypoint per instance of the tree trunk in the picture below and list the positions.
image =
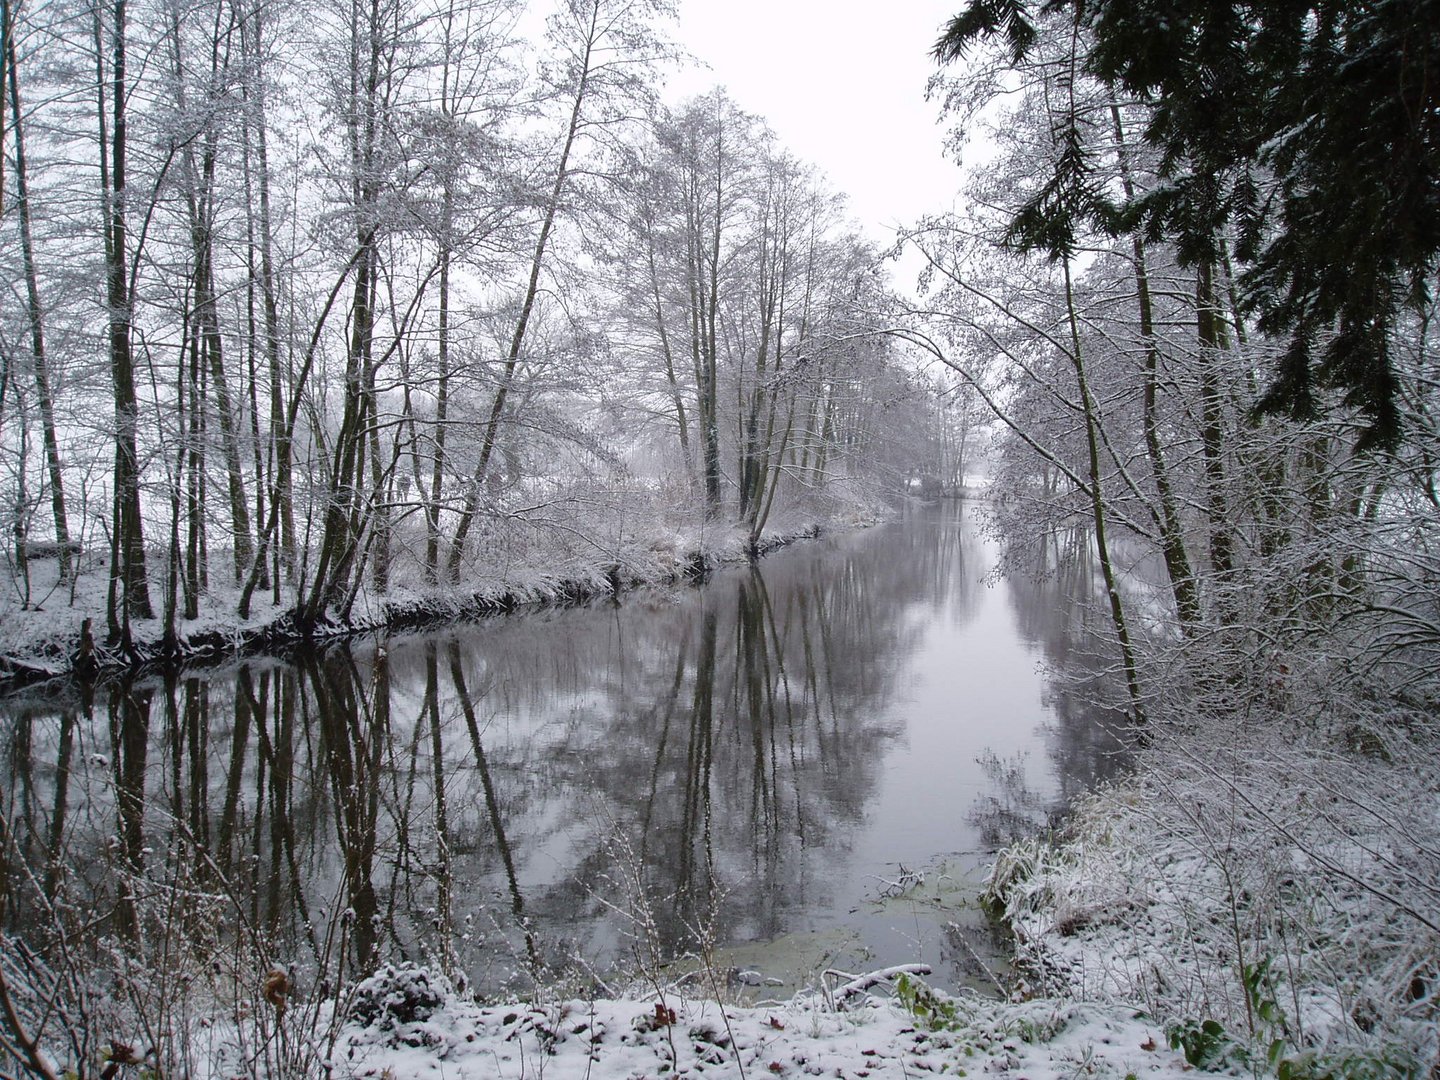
(1211, 338)
(195, 473)
(771, 289)
(379, 502)
(292, 413)
(711, 350)
(36, 314)
(253, 87)
(212, 346)
(1097, 506)
(1172, 537)
(346, 512)
(442, 403)
(129, 593)
(200, 204)
(671, 382)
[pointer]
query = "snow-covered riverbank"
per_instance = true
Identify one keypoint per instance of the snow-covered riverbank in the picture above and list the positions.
(409, 1023)
(48, 639)
(1271, 891)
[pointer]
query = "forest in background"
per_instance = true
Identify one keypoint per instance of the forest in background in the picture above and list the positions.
(307, 302)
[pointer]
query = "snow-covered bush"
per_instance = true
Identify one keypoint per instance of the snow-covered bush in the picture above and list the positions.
(398, 995)
(1268, 890)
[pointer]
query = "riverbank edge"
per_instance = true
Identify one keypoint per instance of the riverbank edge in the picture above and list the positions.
(67, 656)
(884, 1025)
(1093, 907)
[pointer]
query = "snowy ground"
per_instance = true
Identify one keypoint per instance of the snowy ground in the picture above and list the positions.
(408, 1024)
(1274, 892)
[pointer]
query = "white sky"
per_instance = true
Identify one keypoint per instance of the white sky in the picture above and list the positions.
(842, 83)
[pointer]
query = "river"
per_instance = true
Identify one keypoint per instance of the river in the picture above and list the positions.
(795, 765)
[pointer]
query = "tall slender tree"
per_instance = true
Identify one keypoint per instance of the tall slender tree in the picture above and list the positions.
(607, 47)
(34, 308)
(129, 592)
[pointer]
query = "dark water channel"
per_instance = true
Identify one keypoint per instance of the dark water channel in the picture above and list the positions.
(766, 765)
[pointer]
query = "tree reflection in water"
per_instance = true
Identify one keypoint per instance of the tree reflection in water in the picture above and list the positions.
(500, 799)
(1056, 595)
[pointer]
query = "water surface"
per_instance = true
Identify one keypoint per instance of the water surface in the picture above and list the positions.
(762, 768)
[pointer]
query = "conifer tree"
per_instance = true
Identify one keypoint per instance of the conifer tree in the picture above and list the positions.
(1312, 131)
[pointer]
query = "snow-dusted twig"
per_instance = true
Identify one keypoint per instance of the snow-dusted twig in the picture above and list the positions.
(858, 984)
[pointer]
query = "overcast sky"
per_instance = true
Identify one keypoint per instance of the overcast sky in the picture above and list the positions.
(842, 83)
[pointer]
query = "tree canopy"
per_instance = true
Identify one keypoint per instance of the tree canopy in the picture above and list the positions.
(1307, 132)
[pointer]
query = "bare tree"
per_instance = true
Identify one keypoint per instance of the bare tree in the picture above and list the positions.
(129, 593)
(34, 309)
(607, 46)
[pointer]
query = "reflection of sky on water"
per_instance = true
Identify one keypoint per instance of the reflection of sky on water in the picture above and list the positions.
(747, 759)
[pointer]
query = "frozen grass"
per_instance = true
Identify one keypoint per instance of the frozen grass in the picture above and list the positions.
(1281, 880)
